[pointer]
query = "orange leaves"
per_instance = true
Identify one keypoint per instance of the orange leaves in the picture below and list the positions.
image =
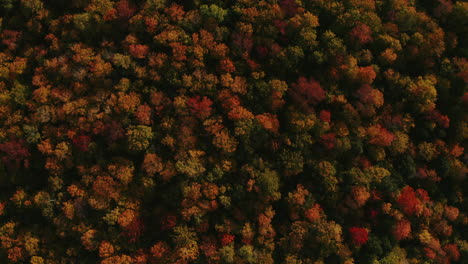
(159, 250)
(143, 114)
(138, 51)
(360, 195)
(367, 74)
(128, 102)
(106, 249)
(210, 190)
(106, 187)
(100, 68)
(68, 210)
(268, 121)
(451, 213)
(201, 107)
(10, 38)
(16, 254)
(402, 229)
(175, 12)
(88, 239)
(413, 202)
(178, 51)
(380, 136)
(152, 164)
(226, 65)
(225, 141)
(126, 217)
(313, 214)
(370, 96)
(298, 196)
(123, 170)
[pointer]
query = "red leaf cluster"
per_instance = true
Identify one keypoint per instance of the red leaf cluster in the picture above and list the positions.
(200, 107)
(309, 90)
(359, 235)
(361, 33)
(16, 152)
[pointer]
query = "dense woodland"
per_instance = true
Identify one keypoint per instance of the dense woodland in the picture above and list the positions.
(209, 131)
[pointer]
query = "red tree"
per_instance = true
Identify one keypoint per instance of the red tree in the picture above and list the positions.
(139, 51)
(125, 10)
(359, 235)
(226, 239)
(200, 107)
(409, 201)
(361, 33)
(308, 90)
(81, 142)
(325, 116)
(15, 151)
(133, 230)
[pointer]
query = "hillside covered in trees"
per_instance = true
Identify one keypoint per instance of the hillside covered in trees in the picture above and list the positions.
(246, 132)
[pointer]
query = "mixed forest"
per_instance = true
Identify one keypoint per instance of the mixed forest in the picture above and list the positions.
(235, 131)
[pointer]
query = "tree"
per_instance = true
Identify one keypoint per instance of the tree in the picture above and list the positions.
(139, 137)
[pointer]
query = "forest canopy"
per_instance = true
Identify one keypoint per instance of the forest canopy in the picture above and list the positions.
(214, 132)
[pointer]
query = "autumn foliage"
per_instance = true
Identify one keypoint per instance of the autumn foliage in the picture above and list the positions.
(219, 132)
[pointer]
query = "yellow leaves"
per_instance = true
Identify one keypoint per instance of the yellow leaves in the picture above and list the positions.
(425, 237)
(302, 121)
(427, 151)
(77, 107)
(112, 216)
(31, 245)
(121, 60)
(400, 144)
(19, 197)
(376, 174)
(189, 252)
(191, 165)
(8, 229)
(100, 6)
(62, 150)
(225, 141)
(139, 137)
(424, 91)
(326, 169)
(122, 259)
(37, 260)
